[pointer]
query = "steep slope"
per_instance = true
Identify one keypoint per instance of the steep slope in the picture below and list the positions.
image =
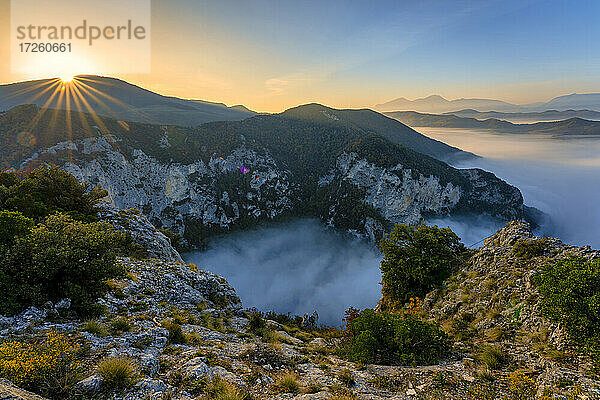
(493, 301)
(569, 127)
(369, 120)
(192, 181)
(117, 99)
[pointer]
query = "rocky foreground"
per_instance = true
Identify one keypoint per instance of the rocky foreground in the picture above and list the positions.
(489, 307)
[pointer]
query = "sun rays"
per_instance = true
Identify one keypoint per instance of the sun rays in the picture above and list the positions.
(68, 101)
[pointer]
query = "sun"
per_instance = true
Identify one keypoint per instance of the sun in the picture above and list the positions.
(66, 78)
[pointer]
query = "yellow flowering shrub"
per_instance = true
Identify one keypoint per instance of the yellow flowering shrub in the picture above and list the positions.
(521, 386)
(46, 366)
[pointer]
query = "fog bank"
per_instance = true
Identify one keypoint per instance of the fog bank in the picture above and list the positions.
(560, 177)
(296, 267)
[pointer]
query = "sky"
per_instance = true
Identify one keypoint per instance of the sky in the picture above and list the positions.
(271, 55)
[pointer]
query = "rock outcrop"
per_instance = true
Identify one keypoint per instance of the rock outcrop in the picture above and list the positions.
(212, 195)
(8, 391)
(133, 221)
(490, 302)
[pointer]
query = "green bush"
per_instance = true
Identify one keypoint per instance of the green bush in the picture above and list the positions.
(95, 328)
(257, 324)
(415, 260)
(391, 339)
(48, 190)
(570, 290)
(59, 258)
(120, 325)
(175, 238)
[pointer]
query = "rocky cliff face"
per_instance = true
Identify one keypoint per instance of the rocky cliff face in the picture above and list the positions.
(213, 195)
(171, 193)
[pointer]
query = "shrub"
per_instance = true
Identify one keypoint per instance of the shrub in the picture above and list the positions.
(118, 373)
(415, 260)
(59, 258)
(346, 377)
(391, 339)
(492, 357)
(219, 389)
(120, 325)
(257, 324)
(95, 328)
(176, 335)
(288, 383)
(48, 367)
(570, 290)
(521, 387)
(175, 238)
(530, 248)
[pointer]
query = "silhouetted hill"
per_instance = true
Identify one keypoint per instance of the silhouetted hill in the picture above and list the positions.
(569, 127)
(529, 117)
(371, 121)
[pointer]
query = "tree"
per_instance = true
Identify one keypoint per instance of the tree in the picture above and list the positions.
(385, 338)
(416, 259)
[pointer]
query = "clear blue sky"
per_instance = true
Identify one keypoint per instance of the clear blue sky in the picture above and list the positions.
(272, 54)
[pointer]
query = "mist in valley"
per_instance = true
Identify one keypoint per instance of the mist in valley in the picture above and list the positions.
(301, 266)
(297, 267)
(560, 177)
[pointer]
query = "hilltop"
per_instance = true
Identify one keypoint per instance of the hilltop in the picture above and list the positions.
(436, 104)
(117, 99)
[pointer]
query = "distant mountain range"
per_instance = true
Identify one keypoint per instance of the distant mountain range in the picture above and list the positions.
(524, 117)
(117, 99)
(568, 127)
(437, 104)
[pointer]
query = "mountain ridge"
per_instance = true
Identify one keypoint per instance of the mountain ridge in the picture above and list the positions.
(570, 127)
(437, 104)
(117, 99)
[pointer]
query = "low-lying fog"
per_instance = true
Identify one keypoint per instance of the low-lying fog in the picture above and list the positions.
(296, 267)
(301, 265)
(561, 177)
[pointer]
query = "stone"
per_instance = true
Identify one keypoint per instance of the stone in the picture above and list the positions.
(8, 391)
(91, 384)
(151, 385)
(196, 368)
(63, 305)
